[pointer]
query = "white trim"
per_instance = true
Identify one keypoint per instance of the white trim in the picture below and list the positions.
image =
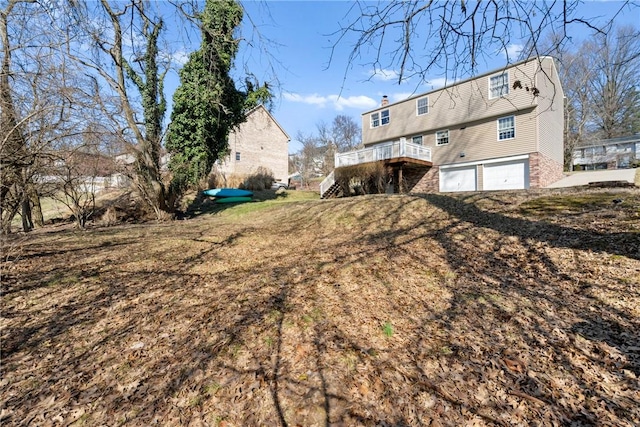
(498, 127)
(448, 137)
(503, 73)
(388, 117)
(485, 162)
(371, 120)
(417, 107)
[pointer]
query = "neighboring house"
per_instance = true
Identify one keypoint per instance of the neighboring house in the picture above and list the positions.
(125, 161)
(91, 172)
(616, 153)
(498, 131)
(259, 141)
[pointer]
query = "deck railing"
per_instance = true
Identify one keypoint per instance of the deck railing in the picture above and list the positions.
(384, 151)
(327, 183)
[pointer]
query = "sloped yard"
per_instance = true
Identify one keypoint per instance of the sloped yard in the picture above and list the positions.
(505, 309)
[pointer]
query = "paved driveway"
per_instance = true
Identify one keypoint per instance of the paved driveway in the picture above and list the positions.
(584, 178)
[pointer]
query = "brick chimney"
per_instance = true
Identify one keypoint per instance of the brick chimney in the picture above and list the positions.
(385, 101)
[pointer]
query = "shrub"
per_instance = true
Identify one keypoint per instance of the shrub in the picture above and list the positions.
(261, 179)
(368, 178)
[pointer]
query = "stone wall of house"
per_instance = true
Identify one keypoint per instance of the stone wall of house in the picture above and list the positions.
(258, 142)
(543, 170)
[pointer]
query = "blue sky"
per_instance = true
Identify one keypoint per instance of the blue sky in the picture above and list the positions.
(311, 89)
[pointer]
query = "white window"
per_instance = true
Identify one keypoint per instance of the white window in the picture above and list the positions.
(422, 106)
(375, 120)
(498, 85)
(417, 139)
(384, 117)
(506, 128)
(380, 118)
(442, 137)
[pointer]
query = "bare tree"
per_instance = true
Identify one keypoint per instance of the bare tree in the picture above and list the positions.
(39, 106)
(76, 176)
(599, 79)
(430, 38)
(308, 161)
(13, 147)
(346, 133)
(124, 37)
(613, 62)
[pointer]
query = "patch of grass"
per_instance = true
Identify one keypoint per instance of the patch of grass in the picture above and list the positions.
(446, 350)
(211, 389)
(62, 279)
(387, 329)
(196, 401)
(566, 204)
(245, 209)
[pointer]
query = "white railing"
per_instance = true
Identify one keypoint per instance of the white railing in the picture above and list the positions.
(327, 183)
(384, 151)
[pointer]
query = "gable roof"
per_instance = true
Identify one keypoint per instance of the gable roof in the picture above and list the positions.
(260, 106)
(456, 83)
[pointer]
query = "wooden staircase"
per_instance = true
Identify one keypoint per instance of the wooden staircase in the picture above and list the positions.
(329, 187)
(331, 191)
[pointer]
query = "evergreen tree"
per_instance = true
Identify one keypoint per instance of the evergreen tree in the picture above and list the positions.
(207, 104)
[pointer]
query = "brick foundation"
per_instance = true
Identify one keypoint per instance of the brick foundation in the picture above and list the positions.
(424, 182)
(543, 171)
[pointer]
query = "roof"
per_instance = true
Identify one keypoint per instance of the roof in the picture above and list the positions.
(260, 106)
(612, 141)
(488, 73)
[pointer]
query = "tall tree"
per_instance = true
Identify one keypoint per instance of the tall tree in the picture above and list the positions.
(42, 105)
(600, 81)
(207, 104)
(346, 133)
(124, 39)
(613, 87)
(13, 148)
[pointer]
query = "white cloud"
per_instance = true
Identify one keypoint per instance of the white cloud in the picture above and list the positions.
(384, 75)
(337, 102)
(400, 96)
(513, 51)
(180, 57)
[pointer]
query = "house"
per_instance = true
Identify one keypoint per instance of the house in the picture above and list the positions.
(616, 153)
(498, 131)
(258, 142)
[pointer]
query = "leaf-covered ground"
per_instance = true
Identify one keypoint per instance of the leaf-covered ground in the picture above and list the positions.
(507, 309)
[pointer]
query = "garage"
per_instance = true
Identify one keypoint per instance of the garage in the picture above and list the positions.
(458, 179)
(512, 175)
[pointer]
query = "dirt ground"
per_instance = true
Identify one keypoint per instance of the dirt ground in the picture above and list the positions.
(509, 309)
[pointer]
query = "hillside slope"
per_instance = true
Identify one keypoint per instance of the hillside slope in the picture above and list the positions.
(518, 308)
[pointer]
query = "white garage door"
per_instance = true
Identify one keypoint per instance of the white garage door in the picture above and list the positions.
(458, 179)
(512, 175)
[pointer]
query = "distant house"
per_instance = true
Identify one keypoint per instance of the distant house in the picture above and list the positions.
(499, 131)
(259, 141)
(616, 153)
(91, 172)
